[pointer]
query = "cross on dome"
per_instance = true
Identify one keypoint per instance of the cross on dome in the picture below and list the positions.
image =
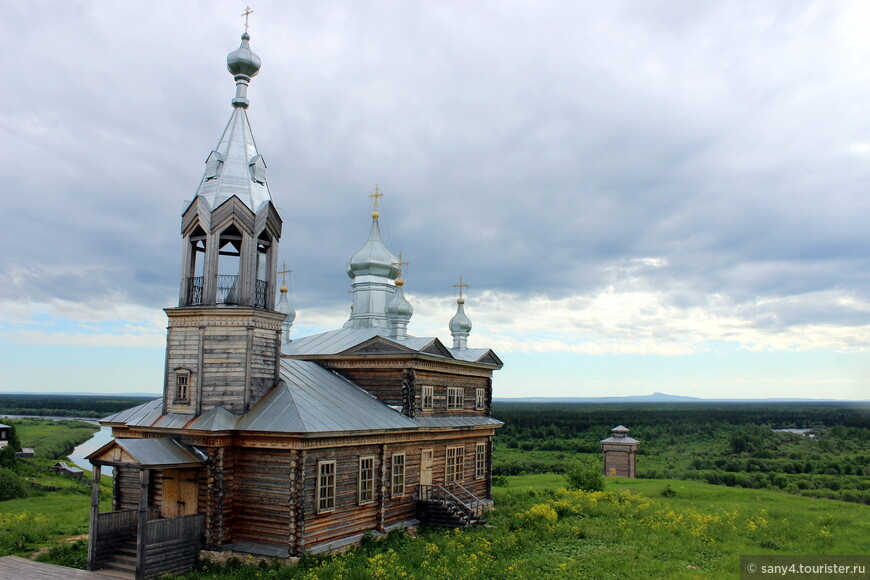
(247, 13)
(376, 196)
(460, 286)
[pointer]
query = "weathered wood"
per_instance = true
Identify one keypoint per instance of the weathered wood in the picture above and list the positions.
(93, 532)
(142, 524)
(15, 567)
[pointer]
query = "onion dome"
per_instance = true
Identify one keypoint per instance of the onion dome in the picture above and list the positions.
(373, 259)
(243, 64)
(243, 61)
(460, 326)
(285, 308)
(399, 312)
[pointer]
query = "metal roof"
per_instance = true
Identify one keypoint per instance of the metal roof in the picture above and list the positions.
(626, 440)
(315, 400)
(6, 426)
(156, 452)
(344, 339)
(457, 421)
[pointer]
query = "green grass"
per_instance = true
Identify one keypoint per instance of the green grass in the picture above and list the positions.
(627, 531)
(52, 439)
(41, 520)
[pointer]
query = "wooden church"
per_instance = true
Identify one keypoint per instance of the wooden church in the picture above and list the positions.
(269, 446)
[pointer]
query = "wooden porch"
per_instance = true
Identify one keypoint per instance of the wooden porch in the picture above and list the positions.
(150, 540)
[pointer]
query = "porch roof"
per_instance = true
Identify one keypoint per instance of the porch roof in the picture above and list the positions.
(150, 453)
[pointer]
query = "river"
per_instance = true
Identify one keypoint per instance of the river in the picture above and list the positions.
(100, 438)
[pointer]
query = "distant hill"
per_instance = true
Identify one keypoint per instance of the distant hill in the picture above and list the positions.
(660, 398)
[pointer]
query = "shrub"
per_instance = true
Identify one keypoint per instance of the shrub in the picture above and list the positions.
(11, 486)
(584, 475)
(668, 491)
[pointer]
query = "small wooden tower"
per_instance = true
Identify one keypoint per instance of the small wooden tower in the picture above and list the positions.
(620, 453)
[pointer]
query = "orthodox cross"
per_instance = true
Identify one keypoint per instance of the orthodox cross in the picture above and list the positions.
(460, 286)
(400, 263)
(247, 13)
(376, 197)
(284, 273)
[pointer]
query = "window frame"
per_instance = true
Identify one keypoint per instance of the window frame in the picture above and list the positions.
(427, 398)
(480, 461)
(397, 475)
(480, 398)
(321, 496)
(455, 398)
(362, 480)
(182, 388)
(454, 464)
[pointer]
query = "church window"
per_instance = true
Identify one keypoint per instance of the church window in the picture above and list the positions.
(454, 397)
(182, 385)
(325, 486)
(454, 469)
(480, 461)
(366, 479)
(428, 397)
(398, 474)
(480, 399)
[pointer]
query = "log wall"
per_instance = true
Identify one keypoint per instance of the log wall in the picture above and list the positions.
(261, 495)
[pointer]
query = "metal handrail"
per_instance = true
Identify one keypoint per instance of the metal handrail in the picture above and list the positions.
(194, 291)
(260, 293)
(227, 292)
(441, 493)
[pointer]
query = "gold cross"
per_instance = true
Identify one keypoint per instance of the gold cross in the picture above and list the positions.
(284, 273)
(400, 263)
(376, 196)
(247, 13)
(460, 286)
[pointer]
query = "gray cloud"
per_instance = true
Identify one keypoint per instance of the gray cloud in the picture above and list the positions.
(527, 147)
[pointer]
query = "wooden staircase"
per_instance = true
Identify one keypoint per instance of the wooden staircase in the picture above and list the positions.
(122, 564)
(448, 506)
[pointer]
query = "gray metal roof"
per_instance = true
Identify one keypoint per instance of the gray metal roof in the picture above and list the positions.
(157, 452)
(2, 426)
(626, 440)
(315, 400)
(457, 421)
(344, 339)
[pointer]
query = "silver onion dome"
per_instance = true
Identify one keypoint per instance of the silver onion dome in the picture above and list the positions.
(373, 259)
(460, 322)
(243, 61)
(399, 312)
(460, 326)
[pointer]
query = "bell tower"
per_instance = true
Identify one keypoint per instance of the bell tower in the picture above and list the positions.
(224, 337)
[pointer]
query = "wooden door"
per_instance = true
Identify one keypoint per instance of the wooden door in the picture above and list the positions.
(426, 459)
(179, 493)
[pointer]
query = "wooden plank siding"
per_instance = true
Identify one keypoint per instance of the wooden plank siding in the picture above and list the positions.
(261, 492)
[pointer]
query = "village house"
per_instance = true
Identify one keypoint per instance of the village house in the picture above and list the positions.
(268, 446)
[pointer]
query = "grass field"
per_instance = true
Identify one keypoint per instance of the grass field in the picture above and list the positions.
(627, 531)
(52, 439)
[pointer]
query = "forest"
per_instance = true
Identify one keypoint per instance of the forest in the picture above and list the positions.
(86, 406)
(726, 444)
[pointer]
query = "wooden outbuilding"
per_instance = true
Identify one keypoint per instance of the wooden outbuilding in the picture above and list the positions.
(5, 435)
(267, 446)
(620, 453)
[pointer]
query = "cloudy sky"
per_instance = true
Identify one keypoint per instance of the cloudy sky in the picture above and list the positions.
(644, 196)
